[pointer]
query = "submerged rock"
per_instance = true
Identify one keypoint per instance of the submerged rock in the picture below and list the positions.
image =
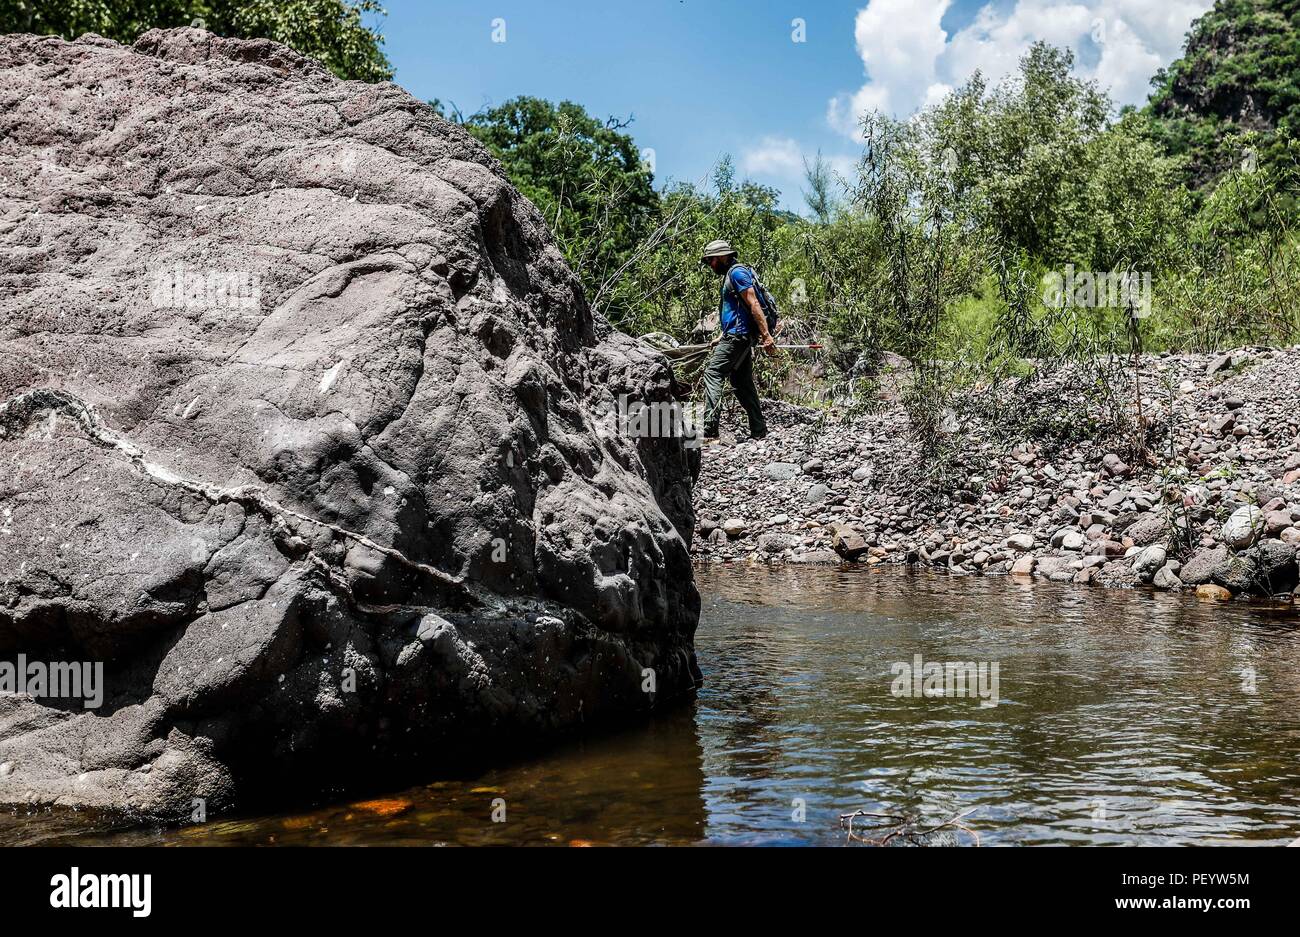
(816, 557)
(1216, 593)
(304, 438)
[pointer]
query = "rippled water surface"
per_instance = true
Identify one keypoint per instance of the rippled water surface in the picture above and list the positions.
(1121, 717)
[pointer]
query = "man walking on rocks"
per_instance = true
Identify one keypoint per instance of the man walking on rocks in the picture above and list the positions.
(743, 325)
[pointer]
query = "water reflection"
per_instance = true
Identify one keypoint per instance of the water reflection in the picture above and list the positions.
(1123, 717)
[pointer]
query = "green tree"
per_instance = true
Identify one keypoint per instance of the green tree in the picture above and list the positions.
(586, 176)
(331, 31)
(820, 194)
(1239, 279)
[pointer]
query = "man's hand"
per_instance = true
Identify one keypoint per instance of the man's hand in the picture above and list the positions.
(760, 321)
(714, 343)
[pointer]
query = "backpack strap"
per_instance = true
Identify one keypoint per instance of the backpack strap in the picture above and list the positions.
(727, 277)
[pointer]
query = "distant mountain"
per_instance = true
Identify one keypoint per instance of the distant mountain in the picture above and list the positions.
(1240, 72)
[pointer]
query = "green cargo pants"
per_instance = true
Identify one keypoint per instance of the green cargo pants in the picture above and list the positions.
(732, 359)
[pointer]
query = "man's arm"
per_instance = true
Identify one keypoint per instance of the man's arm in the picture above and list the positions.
(750, 296)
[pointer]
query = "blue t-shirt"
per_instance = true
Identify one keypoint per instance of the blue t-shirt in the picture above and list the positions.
(735, 318)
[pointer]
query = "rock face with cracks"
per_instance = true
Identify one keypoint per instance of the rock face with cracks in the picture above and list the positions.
(304, 438)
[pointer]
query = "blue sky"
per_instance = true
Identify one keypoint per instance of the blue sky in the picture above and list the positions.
(706, 77)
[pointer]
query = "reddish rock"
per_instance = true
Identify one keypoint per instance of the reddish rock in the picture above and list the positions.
(1114, 466)
(848, 543)
(1276, 521)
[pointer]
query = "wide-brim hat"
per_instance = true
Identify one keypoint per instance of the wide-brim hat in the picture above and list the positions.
(718, 248)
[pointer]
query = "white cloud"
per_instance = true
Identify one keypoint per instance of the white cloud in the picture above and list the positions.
(936, 93)
(779, 161)
(774, 156)
(911, 61)
(782, 158)
(900, 42)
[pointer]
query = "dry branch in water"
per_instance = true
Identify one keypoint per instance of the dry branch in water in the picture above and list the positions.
(900, 827)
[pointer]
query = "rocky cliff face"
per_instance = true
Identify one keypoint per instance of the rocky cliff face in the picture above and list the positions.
(302, 439)
(1238, 72)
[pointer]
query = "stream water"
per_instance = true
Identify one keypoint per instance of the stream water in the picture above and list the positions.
(1116, 717)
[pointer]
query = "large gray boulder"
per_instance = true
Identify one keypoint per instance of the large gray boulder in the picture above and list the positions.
(304, 436)
(1203, 566)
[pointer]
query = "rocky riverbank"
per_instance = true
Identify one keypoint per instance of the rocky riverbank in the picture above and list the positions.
(1213, 506)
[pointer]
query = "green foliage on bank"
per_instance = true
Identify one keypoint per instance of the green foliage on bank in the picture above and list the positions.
(944, 235)
(586, 177)
(1008, 231)
(331, 31)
